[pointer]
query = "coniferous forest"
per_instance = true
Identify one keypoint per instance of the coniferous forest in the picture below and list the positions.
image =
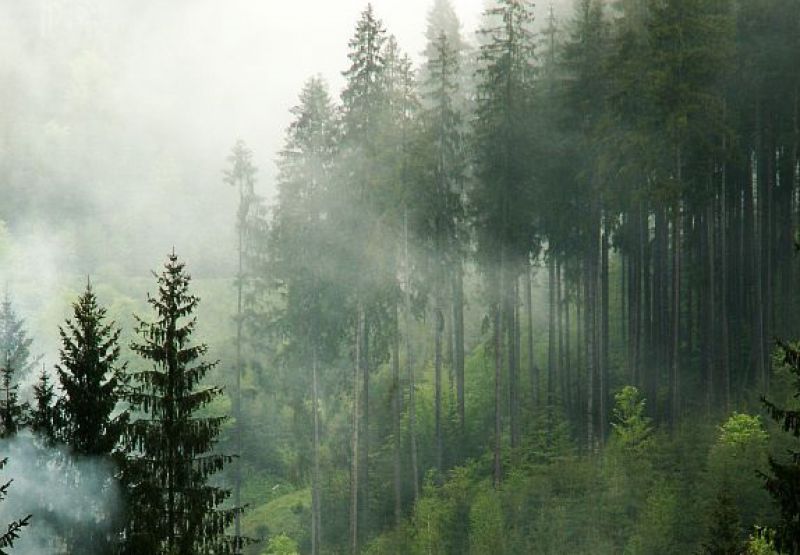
(534, 288)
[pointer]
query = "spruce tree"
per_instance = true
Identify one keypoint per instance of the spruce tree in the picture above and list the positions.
(15, 527)
(173, 508)
(91, 378)
(12, 412)
(15, 362)
(14, 340)
(44, 416)
(504, 184)
(308, 321)
(783, 483)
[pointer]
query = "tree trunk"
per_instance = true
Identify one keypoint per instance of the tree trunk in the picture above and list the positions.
(316, 511)
(356, 453)
(604, 338)
(438, 325)
(534, 378)
(412, 407)
(396, 393)
(458, 338)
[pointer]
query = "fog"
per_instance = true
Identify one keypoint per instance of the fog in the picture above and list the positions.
(65, 494)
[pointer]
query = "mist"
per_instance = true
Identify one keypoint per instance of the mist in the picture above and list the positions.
(64, 493)
(431, 276)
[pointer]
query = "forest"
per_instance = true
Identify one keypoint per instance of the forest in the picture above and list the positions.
(532, 289)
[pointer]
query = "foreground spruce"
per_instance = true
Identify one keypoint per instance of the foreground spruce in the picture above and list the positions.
(172, 508)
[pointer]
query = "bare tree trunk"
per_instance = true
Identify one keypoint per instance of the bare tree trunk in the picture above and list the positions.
(458, 337)
(396, 394)
(316, 511)
(711, 313)
(365, 515)
(560, 331)
(604, 337)
(354, 485)
(534, 378)
(590, 358)
(438, 324)
(412, 407)
(511, 333)
(498, 367)
(551, 341)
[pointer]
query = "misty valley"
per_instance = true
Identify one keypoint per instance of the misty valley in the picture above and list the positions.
(432, 277)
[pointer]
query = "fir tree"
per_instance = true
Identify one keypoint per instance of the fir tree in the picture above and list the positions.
(91, 378)
(173, 508)
(14, 340)
(15, 363)
(14, 528)
(12, 412)
(44, 417)
(724, 532)
(783, 483)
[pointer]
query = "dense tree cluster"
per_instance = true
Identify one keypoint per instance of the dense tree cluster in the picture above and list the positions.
(644, 153)
(146, 423)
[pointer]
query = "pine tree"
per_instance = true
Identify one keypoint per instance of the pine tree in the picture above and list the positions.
(725, 534)
(173, 509)
(12, 412)
(15, 363)
(241, 175)
(308, 321)
(44, 418)
(14, 340)
(91, 378)
(503, 221)
(15, 527)
(783, 483)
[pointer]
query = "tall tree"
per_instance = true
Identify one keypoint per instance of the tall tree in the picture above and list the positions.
(784, 476)
(174, 510)
(241, 175)
(502, 193)
(301, 266)
(16, 363)
(45, 419)
(92, 379)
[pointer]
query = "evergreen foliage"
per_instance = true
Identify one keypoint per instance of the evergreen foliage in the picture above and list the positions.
(783, 481)
(92, 379)
(14, 528)
(173, 508)
(45, 420)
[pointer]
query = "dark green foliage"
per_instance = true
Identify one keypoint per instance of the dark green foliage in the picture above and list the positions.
(14, 528)
(12, 412)
(15, 363)
(91, 378)
(724, 531)
(45, 418)
(783, 483)
(173, 509)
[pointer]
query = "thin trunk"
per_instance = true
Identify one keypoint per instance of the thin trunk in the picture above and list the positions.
(589, 346)
(551, 341)
(396, 394)
(534, 379)
(438, 324)
(498, 366)
(458, 333)
(676, 303)
(560, 331)
(316, 511)
(412, 408)
(711, 313)
(356, 425)
(604, 337)
(511, 333)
